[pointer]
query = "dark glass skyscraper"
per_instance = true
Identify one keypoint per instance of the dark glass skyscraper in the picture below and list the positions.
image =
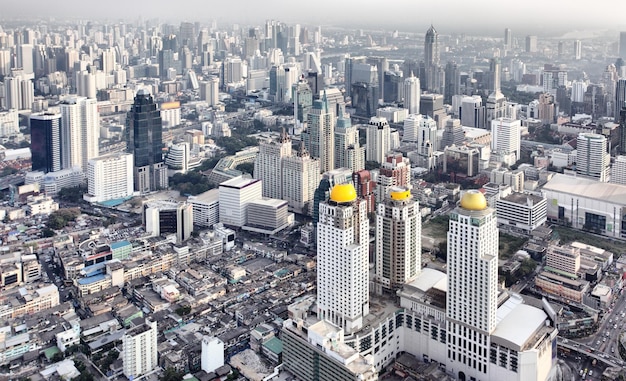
(45, 136)
(144, 139)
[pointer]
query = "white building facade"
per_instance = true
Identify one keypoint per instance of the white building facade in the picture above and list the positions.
(110, 177)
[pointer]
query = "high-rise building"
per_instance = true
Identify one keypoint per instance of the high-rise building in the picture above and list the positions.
(506, 137)
(45, 142)
(377, 139)
(578, 50)
(163, 217)
(472, 112)
(620, 98)
(427, 142)
(81, 129)
(508, 39)
(301, 176)
(320, 134)
(144, 139)
(618, 170)
(592, 156)
(398, 239)
(453, 82)
(110, 177)
(348, 150)
(235, 195)
(395, 170)
(412, 94)
(622, 45)
(268, 165)
(139, 350)
(302, 101)
(471, 300)
(434, 76)
(342, 259)
(622, 130)
(531, 44)
(431, 47)
(209, 90)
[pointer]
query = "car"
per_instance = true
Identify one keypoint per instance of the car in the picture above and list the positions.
(590, 372)
(604, 340)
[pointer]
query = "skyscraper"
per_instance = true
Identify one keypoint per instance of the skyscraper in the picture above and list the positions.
(592, 157)
(578, 50)
(81, 129)
(268, 165)
(431, 47)
(434, 75)
(412, 94)
(472, 285)
(395, 170)
(531, 44)
(398, 239)
(622, 130)
(342, 259)
(45, 142)
(301, 176)
(348, 150)
(144, 131)
(505, 138)
(620, 97)
(508, 39)
(378, 140)
(622, 45)
(320, 134)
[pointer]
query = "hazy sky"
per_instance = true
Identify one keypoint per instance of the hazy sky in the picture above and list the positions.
(448, 16)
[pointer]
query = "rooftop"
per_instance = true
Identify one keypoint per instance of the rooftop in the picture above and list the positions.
(580, 187)
(517, 323)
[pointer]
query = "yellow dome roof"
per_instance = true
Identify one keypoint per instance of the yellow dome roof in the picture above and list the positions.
(343, 193)
(399, 194)
(473, 200)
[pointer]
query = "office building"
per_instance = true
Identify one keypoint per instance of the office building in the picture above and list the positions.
(622, 45)
(531, 44)
(342, 259)
(520, 212)
(302, 101)
(453, 134)
(461, 161)
(320, 134)
(206, 209)
(177, 159)
(412, 94)
(506, 139)
(235, 195)
(81, 129)
(46, 142)
(167, 217)
(393, 90)
(398, 239)
(209, 90)
(268, 216)
(431, 60)
(110, 177)
(427, 143)
(472, 112)
(348, 150)
(144, 139)
(578, 50)
(508, 39)
(592, 157)
(453, 82)
(620, 102)
(378, 139)
(139, 350)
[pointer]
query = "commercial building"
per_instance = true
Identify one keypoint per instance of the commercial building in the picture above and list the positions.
(144, 139)
(206, 209)
(348, 150)
(342, 259)
(587, 204)
(235, 195)
(162, 217)
(378, 139)
(110, 177)
(398, 239)
(506, 139)
(46, 146)
(80, 122)
(521, 212)
(268, 216)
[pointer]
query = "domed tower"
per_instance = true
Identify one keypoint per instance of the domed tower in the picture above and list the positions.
(472, 283)
(342, 259)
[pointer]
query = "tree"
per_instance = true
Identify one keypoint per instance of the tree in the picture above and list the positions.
(47, 233)
(72, 194)
(246, 168)
(172, 374)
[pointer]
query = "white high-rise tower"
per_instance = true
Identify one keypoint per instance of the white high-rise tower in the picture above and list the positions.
(81, 124)
(412, 94)
(506, 138)
(342, 259)
(321, 134)
(268, 165)
(592, 157)
(472, 284)
(398, 239)
(378, 139)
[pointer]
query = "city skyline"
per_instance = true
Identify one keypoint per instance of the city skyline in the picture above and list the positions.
(414, 17)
